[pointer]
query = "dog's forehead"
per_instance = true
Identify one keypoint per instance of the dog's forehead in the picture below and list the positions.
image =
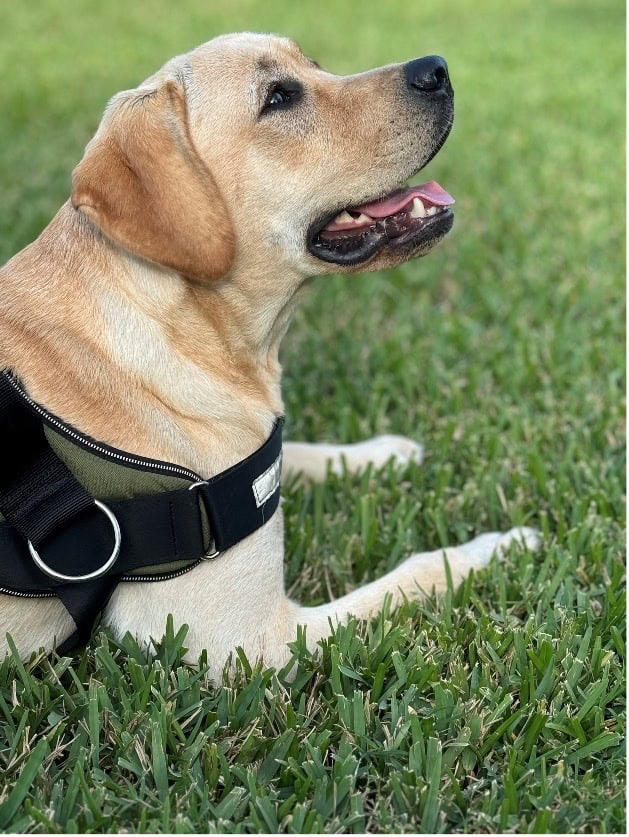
(248, 51)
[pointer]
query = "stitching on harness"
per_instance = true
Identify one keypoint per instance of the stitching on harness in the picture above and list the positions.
(172, 527)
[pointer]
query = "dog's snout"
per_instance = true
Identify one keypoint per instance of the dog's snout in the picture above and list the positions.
(427, 75)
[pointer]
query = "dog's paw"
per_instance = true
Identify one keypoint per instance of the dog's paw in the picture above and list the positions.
(482, 549)
(380, 450)
(524, 536)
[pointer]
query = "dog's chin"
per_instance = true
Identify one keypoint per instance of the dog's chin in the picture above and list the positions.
(397, 252)
(384, 244)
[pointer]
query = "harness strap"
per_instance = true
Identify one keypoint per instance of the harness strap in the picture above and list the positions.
(37, 492)
(44, 504)
(155, 530)
(84, 603)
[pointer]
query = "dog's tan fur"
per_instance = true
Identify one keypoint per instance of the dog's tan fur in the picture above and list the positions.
(149, 312)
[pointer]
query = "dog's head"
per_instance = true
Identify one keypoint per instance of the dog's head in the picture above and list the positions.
(246, 152)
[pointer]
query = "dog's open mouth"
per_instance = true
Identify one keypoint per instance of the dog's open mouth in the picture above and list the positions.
(405, 216)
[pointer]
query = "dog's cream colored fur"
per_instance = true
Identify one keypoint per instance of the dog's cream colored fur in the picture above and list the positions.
(149, 313)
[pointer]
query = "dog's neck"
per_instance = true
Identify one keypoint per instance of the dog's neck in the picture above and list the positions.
(139, 357)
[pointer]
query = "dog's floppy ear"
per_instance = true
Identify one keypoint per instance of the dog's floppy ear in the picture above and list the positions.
(142, 182)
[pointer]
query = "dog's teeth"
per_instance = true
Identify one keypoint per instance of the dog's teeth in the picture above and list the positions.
(344, 218)
(418, 210)
(432, 211)
(362, 219)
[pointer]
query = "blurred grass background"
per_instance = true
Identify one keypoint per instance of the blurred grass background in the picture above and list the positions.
(501, 707)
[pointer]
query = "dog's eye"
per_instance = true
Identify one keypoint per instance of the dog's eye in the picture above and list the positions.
(282, 96)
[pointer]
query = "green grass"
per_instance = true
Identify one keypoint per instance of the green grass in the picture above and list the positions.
(501, 706)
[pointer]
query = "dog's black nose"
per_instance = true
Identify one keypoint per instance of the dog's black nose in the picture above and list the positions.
(427, 75)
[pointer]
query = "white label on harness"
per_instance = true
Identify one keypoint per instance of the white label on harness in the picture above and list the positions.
(267, 483)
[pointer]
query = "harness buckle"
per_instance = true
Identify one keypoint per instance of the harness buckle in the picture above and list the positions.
(212, 551)
(41, 564)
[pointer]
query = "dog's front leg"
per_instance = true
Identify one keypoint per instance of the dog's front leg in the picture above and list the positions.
(311, 460)
(417, 576)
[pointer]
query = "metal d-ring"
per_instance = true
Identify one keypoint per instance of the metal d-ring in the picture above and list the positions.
(212, 551)
(88, 576)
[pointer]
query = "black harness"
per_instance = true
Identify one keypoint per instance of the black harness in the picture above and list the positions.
(78, 517)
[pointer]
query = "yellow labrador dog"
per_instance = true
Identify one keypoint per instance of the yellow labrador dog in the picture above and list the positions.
(149, 313)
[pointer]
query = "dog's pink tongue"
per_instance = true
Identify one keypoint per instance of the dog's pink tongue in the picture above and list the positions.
(430, 192)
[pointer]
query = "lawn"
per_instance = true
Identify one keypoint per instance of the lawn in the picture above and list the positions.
(499, 707)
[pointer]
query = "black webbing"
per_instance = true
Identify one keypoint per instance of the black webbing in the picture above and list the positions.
(38, 494)
(230, 499)
(84, 602)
